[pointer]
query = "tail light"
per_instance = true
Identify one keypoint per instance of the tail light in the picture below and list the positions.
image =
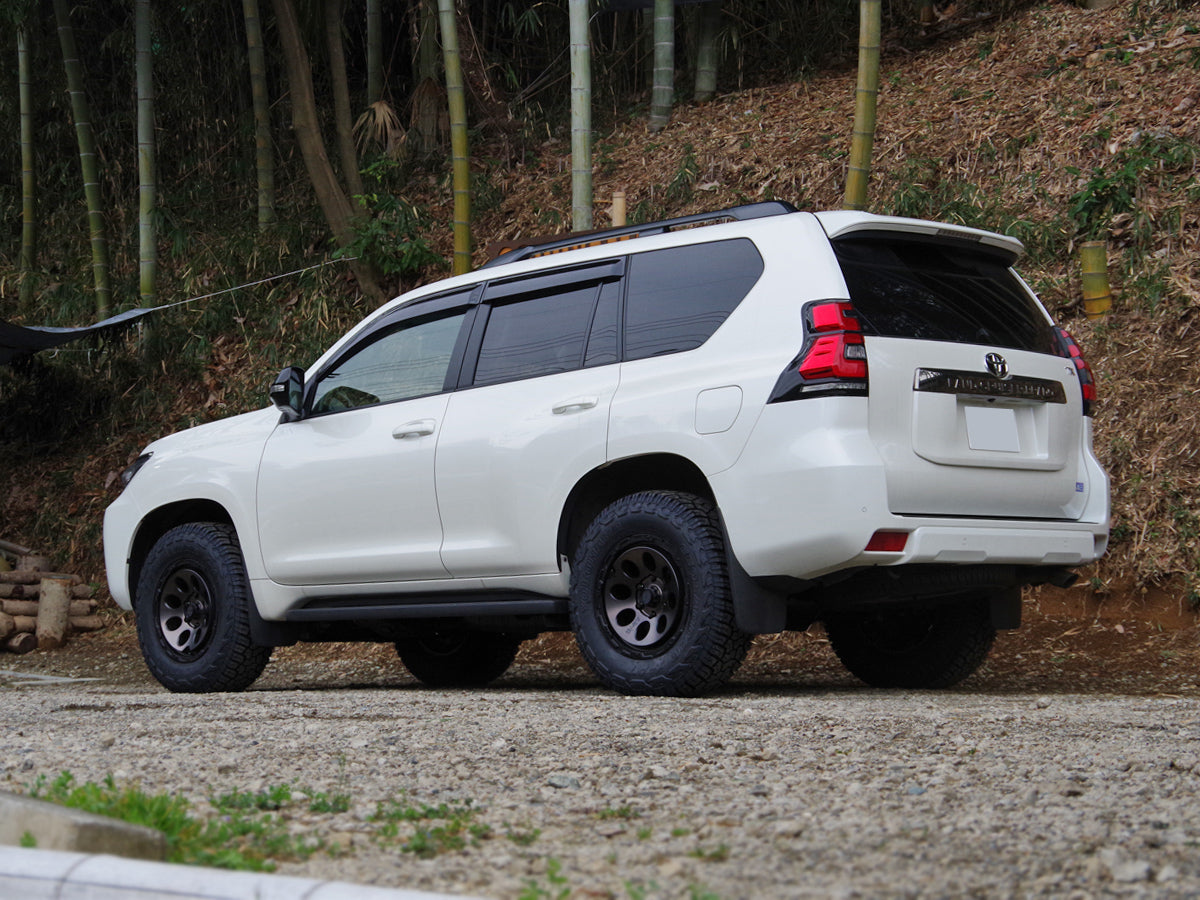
(833, 360)
(1066, 347)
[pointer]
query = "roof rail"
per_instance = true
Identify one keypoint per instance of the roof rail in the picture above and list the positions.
(531, 248)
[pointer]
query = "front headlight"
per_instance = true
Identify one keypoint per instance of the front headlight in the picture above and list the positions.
(132, 469)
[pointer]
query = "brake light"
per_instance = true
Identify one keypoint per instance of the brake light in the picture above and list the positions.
(833, 360)
(1066, 347)
(832, 317)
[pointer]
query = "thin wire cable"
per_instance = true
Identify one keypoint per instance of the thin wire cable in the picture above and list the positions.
(250, 284)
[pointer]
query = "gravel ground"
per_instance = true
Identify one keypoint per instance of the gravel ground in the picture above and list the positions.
(808, 786)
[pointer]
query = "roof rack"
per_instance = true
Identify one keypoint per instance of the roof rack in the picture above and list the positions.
(531, 248)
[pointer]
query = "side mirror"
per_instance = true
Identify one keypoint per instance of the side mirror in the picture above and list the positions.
(287, 392)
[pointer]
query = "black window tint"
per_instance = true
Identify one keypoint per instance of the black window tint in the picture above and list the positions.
(677, 298)
(410, 360)
(940, 291)
(602, 342)
(536, 336)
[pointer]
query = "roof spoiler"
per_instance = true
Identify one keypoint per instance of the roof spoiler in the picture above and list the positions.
(530, 248)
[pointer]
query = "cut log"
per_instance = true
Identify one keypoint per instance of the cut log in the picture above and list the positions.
(29, 591)
(33, 563)
(86, 623)
(23, 577)
(19, 607)
(54, 607)
(24, 623)
(15, 549)
(7, 625)
(21, 643)
(30, 607)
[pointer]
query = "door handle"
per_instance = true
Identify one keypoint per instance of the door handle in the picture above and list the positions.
(576, 405)
(419, 428)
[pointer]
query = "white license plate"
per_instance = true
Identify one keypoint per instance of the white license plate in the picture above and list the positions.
(992, 428)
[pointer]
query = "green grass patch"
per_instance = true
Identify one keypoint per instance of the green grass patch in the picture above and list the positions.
(428, 831)
(242, 836)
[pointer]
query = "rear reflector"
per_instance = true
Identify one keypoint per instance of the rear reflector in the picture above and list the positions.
(887, 542)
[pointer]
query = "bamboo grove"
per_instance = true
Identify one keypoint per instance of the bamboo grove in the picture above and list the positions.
(134, 121)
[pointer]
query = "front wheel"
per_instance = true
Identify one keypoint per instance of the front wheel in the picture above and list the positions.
(192, 611)
(935, 647)
(650, 601)
(457, 658)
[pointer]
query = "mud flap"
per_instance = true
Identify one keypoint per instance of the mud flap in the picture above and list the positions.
(1006, 609)
(755, 609)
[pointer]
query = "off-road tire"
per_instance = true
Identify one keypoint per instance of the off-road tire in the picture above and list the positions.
(650, 602)
(457, 658)
(934, 647)
(192, 611)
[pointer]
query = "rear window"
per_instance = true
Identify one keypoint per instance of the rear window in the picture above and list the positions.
(677, 298)
(940, 291)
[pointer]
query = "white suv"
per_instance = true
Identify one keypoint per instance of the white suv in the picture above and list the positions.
(666, 438)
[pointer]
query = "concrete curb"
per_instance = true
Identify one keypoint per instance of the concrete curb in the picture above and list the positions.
(55, 827)
(53, 875)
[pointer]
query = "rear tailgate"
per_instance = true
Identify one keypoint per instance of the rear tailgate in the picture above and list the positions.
(971, 408)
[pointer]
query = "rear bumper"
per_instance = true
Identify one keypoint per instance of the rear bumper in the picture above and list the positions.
(966, 542)
(804, 500)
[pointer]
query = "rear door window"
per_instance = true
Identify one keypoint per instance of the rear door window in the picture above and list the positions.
(544, 324)
(535, 336)
(677, 298)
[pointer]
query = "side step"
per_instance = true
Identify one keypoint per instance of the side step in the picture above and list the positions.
(456, 606)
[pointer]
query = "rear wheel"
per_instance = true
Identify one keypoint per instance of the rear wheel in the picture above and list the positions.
(192, 611)
(936, 647)
(650, 601)
(457, 658)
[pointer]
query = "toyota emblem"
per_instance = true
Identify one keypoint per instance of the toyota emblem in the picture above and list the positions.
(997, 365)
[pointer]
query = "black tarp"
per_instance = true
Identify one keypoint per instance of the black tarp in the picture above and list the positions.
(22, 340)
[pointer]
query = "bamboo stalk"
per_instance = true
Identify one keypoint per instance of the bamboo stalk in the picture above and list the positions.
(28, 181)
(662, 94)
(866, 96)
(147, 168)
(581, 117)
(81, 112)
(264, 161)
(374, 51)
(708, 19)
(1097, 295)
(459, 153)
(618, 208)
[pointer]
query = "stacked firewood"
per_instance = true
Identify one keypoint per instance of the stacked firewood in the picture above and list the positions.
(39, 608)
